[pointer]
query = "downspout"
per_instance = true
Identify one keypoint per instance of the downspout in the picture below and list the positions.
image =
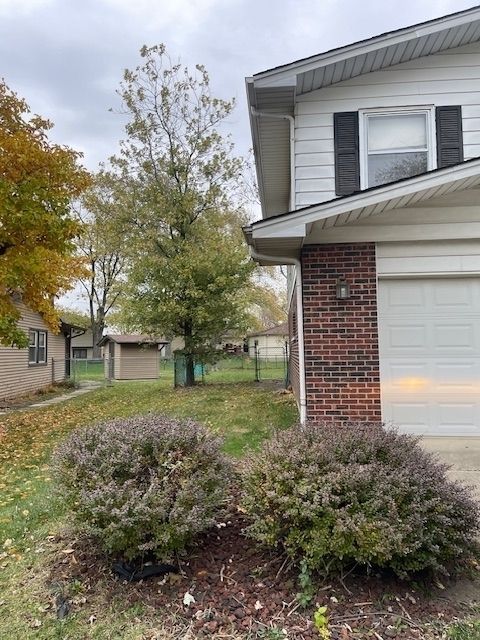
(299, 303)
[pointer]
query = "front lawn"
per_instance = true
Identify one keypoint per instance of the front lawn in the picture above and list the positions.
(244, 414)
(47, 571)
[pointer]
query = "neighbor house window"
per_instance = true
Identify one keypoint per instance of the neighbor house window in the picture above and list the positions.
(80, 353)
(395, 144)
(37, 348)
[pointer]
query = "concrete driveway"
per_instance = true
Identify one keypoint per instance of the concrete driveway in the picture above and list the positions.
(463, 454)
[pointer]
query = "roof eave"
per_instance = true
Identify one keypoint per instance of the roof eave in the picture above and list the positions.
(252, 102)
(285, 73)
(376, 195)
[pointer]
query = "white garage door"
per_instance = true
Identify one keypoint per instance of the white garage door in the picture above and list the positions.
(429, 331)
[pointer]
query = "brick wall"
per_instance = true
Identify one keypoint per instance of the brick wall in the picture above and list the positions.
(341, 336)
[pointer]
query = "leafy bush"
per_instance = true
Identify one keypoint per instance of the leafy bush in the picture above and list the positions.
(142, 484)
(334, 494)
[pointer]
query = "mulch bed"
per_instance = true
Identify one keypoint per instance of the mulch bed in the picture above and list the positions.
(239, 588)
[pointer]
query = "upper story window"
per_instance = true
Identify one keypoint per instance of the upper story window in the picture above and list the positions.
(37, 348)
(395, 145)
(373, 147)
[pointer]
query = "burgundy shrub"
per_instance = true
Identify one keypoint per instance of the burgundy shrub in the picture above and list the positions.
(335, 494)
(147, 484)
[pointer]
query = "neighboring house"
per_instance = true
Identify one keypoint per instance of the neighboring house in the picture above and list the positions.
(369, 174)
(176, 343)
(270, 343)
(131, 357)
(82, 345)
(229, 343)
(24, 371)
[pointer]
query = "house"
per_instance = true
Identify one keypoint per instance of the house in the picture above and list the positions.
(269, 343)
(229, 343)
(131, 357)
(24, 371)
(368, 164)
(82, 345)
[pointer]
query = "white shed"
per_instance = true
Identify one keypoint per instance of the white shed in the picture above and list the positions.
(270, 343)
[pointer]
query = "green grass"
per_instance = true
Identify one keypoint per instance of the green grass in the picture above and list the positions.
(87, 370)
(231, 369)
(244, 414)
(464, 631)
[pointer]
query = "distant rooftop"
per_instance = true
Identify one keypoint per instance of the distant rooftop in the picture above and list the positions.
(277, 330)
(130, 338)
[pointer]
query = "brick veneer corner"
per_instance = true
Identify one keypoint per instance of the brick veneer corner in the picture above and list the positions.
(342, 369)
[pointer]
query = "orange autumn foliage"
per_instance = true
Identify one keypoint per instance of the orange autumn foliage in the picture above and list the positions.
(38, 181)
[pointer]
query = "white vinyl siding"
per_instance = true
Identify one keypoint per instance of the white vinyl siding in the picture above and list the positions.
(448, 78)
(447, 258)
(268, 346)
(17, 376)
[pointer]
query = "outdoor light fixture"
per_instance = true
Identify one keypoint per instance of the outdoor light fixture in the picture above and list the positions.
(343, 289)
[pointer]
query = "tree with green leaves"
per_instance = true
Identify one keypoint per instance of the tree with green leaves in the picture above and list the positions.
(38, 181)
(190, 271)
(102, 211)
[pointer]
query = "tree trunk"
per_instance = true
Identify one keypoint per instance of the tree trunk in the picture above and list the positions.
(189, 370)
(189, 360)
(98, 327)
(97, 332)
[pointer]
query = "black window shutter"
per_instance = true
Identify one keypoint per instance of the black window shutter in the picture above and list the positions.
(449, 136)
(347, 164)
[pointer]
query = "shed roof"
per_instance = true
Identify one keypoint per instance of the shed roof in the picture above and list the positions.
(129, 338)
(277, 330)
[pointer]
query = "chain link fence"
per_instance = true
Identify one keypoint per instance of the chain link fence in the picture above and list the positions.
(266, 364)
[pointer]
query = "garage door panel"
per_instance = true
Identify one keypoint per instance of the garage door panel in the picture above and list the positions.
(404, 296)
(457, 414)
(450, 298)
(413, 416)
(457, 377)
(453, 336)
(413, 336)
(402, 373)
(430, 354)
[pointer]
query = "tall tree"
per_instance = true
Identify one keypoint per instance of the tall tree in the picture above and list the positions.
(191, 268)
(102, 245)
(38, 180)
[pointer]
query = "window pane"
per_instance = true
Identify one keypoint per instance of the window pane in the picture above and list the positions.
(32, 348)
(41, 338)
(41, 354)
(398, 131)
(388, 167)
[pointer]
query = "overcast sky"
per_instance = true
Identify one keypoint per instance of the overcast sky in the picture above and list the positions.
(66, 57)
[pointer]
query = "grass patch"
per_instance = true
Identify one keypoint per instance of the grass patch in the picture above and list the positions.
(244, 414)
(464, 631)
